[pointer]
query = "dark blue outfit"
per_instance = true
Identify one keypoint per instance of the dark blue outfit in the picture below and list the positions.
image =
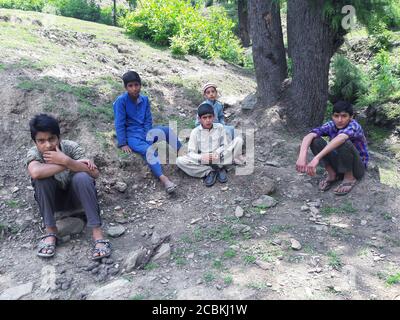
(133, 124)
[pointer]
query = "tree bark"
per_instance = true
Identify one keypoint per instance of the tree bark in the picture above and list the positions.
(243, 23)
(268, 49)
(312, 42)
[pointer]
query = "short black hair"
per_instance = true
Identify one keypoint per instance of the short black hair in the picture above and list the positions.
(205, 108)
(343, 106)
(131, 76)
(44, 123)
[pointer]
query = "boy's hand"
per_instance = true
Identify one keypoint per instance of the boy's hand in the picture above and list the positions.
(209, 157)
(55, 157)
(312, 167)
(301, 165)
(126, 149)
(89, 163)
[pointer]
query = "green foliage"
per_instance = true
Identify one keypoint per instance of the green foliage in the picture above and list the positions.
(29, 5)
(106, 15)
(393, 279)
(183, 27)
(334, 260)
(349, 81)
(385, 84)
(79, 9)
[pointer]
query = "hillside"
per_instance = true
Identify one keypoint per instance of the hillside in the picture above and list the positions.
(72, 69)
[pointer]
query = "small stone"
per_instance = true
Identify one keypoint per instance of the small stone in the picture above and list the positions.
(107, 261)
(239, 212)
(263, 265)
(224, 189)
(269, 284)
(373, 238)
(121, 186)
(116, 231)
(190, 256)
(295, 244)
(155, 238)
(69, 226)
(195, 221)
(276, 242)
(265, 201)
(364, 222)
(218, 287)
(15, 189)
(151, 226)
(134, 259)
(117, 208)
(199, 281)
(314, 210)
(304, 208)
(143, 233)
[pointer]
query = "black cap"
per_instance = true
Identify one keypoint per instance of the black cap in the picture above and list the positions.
(131, 76)
(205, 108)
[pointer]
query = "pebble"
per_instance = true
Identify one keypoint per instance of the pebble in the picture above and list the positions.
(295, 244)
(195, 221)
(304, 208)
(239, 212)
(15, 189)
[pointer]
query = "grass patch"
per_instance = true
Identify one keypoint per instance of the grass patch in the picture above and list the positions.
(249, 259)
(393, 279)
(334, 260)
(229, 254)
(138, 296)
(223, 233)
(209, 277)
(228, 280)
(346, 207)
(279, 228)
(217, 264)
(151, 266)
(12, 203)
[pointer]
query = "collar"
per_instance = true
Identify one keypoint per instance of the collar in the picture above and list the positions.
(138, 101)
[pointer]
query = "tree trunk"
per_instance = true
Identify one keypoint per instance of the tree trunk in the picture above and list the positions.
(243, 23)
(268, 49)
(115, 13)
(312, 43)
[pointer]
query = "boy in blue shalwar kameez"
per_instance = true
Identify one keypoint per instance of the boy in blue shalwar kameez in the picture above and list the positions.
(134, 127)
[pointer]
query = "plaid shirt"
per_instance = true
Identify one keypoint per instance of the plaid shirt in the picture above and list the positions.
(353, 131)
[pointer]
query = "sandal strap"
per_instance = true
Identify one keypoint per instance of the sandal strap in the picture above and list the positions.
(104, 241)
(48, 235)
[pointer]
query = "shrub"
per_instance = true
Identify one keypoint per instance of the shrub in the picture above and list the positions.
(349, 81)
(80, 9)
(29, 5)
(182, 26)
(106, 15)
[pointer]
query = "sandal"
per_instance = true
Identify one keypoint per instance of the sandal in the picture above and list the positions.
(350, 184)
(171, 188)
(47, 246)
(103, 252)
(327, 184)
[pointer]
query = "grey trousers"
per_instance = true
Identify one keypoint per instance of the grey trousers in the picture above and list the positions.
(343, 159)
(81, 192)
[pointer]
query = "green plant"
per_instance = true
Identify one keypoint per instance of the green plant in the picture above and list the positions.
(393, 279)
(183, 27)
(228, 280)
(249, 259)
(349, 82)
(217, 264)
(334, 260)
(151, 266)
(209, 276)
(12, 203)
(229, 254)
(138, 296)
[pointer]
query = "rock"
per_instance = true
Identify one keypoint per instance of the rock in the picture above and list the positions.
(276, 242)
(15, 189)
(116, 231)
(195, 221)
(224, 188)
(163, 253)
(92, 266)
(134, 259)
(315, 204)
(272, 164)
(116, 290)
(304, 208)
(69, 226)
(295, 244)
(190, 256)
(263, 265)
(123, 49)
(364, 222)
(314, 210)
(155, 238)
(249, 102)
(238, 199)
(121, 186)
(17, 292)
(48, 278)
(265, 201)
(239, 212)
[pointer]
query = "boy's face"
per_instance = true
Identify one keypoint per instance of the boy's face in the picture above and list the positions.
(46, 141)
(207, 120)
(210, 93)
(133, 88)
(341, 119)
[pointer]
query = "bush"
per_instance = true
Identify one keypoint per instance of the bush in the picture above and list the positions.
(183, 27)
(385, 83)
(106, 15)
(349, 81)
(29, 5)
(80, 9)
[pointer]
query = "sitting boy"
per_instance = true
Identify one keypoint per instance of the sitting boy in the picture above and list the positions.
(209, 149)
(134, 127)
(344, 157)
(62, 178)
(210, 92)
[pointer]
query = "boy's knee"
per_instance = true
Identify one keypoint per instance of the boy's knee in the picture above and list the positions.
(345, 147)
(82, 178)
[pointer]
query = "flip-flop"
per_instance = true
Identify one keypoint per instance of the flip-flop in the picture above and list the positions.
(103, 252)
(328, 184)
(350, 184)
